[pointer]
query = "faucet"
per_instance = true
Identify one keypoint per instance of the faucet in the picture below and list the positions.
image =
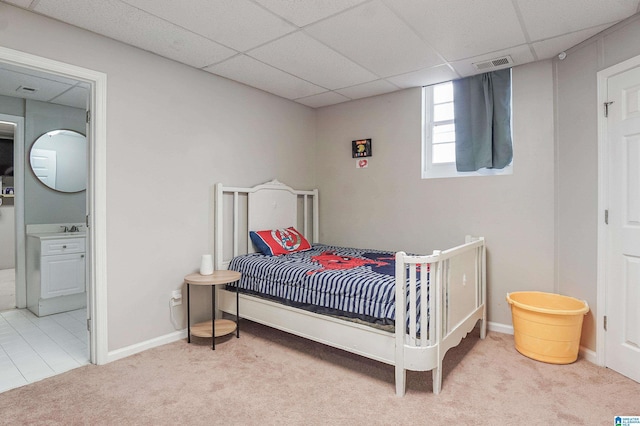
(64, 229)
(74, 228)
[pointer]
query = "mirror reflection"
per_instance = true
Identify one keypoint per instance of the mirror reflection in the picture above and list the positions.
(59, 160)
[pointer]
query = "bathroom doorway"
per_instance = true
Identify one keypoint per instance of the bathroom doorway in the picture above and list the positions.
(95, 318)
(48, 335)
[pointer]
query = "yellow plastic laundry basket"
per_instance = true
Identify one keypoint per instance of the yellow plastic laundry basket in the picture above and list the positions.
(547, 326)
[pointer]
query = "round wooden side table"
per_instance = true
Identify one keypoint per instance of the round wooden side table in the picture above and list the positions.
(215, 327)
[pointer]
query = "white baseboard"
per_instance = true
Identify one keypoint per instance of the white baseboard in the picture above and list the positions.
(143, 346)
(587, 354)
(500, 328)
(182, 334)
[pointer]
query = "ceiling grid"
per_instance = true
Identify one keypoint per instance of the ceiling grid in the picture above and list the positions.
(323, 52)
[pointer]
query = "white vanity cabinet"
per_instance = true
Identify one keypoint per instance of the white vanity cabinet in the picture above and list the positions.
(62, 267)
(55, 273)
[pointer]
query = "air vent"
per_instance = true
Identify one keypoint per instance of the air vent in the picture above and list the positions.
(493, 63)
(27, 90)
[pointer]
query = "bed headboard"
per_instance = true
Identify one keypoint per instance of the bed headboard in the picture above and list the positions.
(271, 205)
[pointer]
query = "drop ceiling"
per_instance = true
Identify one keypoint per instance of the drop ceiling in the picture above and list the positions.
(30, 84)
(323, 52)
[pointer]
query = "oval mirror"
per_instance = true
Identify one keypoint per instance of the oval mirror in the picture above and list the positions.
(59, 160)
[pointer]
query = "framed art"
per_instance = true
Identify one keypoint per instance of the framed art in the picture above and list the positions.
(361, 148)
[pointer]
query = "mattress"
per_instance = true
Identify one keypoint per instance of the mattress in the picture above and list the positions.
(340, 281)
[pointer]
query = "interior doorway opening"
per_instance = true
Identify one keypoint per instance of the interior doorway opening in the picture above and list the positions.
(44, 332)
(96, 189)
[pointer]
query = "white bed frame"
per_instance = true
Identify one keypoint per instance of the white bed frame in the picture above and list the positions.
(457, 285)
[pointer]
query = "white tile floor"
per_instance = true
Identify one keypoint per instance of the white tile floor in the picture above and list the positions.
(33, 348)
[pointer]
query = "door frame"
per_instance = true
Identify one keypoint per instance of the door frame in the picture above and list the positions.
(96, 188)
(603, 77)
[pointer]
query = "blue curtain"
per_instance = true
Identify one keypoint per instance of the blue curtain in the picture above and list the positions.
(482, 108)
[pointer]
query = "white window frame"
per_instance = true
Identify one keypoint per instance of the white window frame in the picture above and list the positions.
(446, 170)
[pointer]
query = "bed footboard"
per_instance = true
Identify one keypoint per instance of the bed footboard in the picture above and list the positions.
(454, 303)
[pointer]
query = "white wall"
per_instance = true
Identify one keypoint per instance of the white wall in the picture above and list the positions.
(172, 132)
(389, 206)
(577, 173)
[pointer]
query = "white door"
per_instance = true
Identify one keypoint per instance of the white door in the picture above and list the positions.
(622, 341)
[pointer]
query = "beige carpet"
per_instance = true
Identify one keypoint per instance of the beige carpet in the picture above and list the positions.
(270, 378)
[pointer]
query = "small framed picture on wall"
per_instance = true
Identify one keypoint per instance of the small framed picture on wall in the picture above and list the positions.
(361, 148)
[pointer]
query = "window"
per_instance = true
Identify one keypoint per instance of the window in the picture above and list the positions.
(439, 135)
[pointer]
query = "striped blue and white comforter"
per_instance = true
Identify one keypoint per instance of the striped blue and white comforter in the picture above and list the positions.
(342, 281)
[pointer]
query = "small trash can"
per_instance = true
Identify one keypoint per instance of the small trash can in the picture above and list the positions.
(547, 326)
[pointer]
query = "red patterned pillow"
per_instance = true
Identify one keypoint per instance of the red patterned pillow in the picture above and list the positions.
(279, 241)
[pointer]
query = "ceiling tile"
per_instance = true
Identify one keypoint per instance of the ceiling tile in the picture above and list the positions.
(323, 99)
(256, 74)
(20, 3)
(130, 25)
(374, 37)
(519, 54)
(424, 77)
(549, 18)
(304, 12)
(239, 24)
(462, 29)
(46, 88)
(300, 55)
(373, 88)
(551, 47)
(75, 97)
